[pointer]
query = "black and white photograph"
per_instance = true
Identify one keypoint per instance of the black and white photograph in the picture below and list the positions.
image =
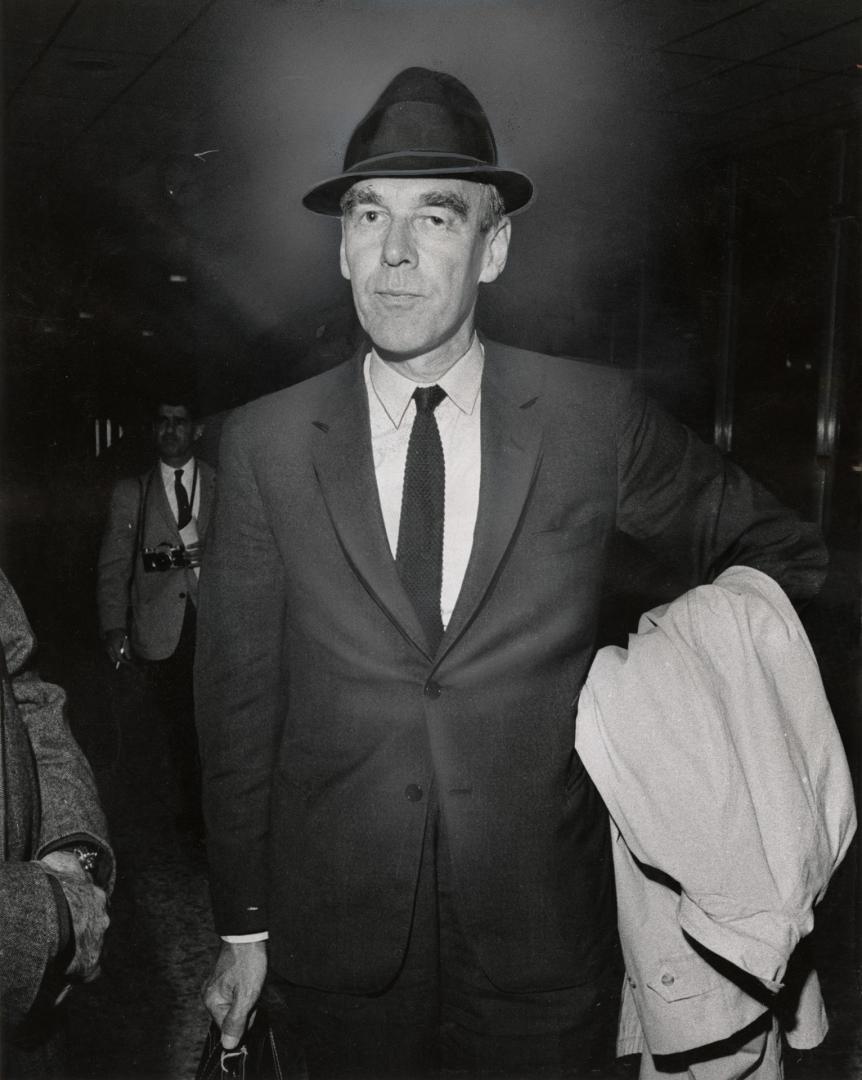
(431, 540)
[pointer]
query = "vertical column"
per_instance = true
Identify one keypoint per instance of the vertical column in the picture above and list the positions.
(726, 360)
(831, 366)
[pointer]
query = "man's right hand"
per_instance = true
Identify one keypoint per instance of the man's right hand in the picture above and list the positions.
(117, 646)
(231, 992)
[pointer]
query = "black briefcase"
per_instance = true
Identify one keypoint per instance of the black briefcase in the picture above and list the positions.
(256, 1058)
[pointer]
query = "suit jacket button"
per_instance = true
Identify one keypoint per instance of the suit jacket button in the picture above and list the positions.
(413, 793)
(667, 979)
(432, 689)
(182, 596)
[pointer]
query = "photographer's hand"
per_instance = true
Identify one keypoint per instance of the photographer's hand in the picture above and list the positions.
(117, 646)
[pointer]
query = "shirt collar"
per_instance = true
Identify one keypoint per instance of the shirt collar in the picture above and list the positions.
(168, 471)
(461, 382)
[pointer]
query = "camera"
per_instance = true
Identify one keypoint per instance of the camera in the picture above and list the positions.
(164, 557)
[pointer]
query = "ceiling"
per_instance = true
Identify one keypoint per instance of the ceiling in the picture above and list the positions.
(175, 137)
(96, 84)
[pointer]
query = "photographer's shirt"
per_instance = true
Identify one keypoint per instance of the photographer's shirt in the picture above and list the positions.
(189, 534)
(187, 480)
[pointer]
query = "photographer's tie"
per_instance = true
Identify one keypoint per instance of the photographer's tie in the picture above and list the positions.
(184, 510)
(419, 557)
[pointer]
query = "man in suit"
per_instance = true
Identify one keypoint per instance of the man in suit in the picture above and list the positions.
(397, 613)
(148, 569)
(56, 865)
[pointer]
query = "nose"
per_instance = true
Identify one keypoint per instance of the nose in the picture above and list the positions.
(398, 245)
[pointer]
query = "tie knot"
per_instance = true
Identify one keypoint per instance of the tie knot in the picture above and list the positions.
(178, 473)
(427, 398)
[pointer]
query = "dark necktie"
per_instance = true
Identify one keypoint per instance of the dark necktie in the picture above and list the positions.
(420, 534)
(184, 510)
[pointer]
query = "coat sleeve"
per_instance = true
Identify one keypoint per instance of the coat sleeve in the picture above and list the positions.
(240, 687)
(68, 811)
(700, 512)
(117, 556)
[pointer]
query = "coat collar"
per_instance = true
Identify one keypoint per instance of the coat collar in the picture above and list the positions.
(511, 451)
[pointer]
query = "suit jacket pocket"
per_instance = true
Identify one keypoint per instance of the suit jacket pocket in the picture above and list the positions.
(684, 976)
(571, 536)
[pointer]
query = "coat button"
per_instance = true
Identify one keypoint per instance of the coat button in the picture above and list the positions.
(667, 979)
(182, 596)
(432, 689)
(413, 793)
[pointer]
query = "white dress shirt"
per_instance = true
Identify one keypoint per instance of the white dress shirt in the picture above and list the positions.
(189, 533)
(187, 480)
(392, 412)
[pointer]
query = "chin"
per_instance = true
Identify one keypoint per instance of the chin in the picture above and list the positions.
(399, 343)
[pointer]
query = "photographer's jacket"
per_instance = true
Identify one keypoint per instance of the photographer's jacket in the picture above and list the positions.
(325, 720)
(149, 605)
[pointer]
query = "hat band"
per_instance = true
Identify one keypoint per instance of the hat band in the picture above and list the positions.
(422, 159)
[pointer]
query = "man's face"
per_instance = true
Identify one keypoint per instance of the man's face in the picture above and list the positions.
(414, 255)
(175, 431)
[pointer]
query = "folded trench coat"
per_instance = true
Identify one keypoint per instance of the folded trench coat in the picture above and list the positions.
(714, 748)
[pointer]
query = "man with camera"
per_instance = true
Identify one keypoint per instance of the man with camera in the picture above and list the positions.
(148, 580)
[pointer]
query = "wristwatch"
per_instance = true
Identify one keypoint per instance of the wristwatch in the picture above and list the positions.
(88, 855)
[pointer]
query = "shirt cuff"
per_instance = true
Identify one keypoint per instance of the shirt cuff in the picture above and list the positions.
(243, 939)
(65, 929)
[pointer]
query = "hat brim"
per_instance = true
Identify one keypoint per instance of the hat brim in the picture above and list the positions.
(516, 188)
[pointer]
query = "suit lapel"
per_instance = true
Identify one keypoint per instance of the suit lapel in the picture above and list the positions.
(344, 465)
(511, 454)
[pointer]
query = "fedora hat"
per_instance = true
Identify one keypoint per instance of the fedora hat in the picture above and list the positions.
(425, 123)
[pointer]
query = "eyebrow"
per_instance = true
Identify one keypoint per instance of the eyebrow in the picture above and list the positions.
(355, 196)
(445, 200)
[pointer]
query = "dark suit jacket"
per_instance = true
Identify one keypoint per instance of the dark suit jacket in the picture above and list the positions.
(48, 800)
(158, 599)
(321, 711)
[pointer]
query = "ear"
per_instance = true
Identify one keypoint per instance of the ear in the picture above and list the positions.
(342, 256)
(496, 251)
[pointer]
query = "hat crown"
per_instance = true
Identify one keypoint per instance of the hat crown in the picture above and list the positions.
(423, 111)
(424, 124)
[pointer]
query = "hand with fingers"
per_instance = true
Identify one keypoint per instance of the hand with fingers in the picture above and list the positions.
(232, 990)
(117, 647)
(88, 908)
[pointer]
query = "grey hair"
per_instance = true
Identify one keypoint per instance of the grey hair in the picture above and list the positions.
(492, 210)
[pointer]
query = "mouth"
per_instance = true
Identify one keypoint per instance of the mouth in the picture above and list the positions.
(394, 298)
